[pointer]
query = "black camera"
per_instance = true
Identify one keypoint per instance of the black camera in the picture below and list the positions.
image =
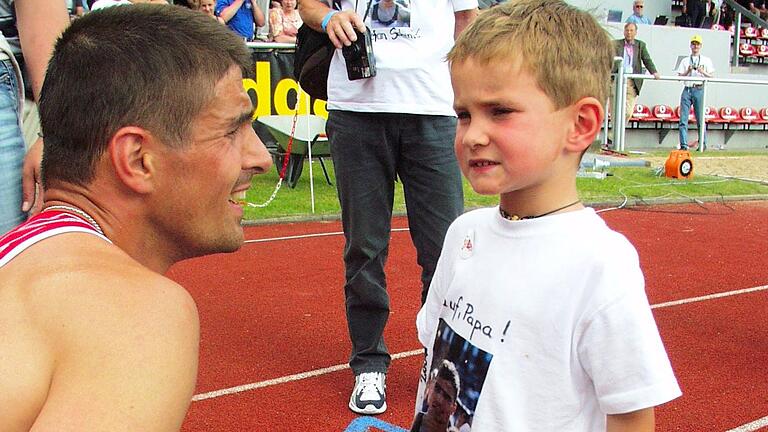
(359, 57)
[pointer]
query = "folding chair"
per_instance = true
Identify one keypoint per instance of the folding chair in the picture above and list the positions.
(308, 137)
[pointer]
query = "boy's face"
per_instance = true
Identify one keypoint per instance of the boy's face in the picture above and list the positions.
(207, 6)
(509, 137)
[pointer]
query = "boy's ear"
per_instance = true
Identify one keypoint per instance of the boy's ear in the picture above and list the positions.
(587, 120)
(132, 160)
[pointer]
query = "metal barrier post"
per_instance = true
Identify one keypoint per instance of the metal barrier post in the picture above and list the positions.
(619, 100)
(703, 125)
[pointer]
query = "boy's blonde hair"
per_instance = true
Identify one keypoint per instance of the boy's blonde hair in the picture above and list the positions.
(569, 54)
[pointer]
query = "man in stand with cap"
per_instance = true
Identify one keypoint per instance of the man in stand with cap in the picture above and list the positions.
(695, 65)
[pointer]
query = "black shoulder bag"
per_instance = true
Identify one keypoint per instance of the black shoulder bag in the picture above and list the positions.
(312, 58)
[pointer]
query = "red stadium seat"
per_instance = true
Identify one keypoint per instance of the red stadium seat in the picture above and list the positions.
(747, 50)
(763, 34)
(747, 115)
(642, 113)
(750, 33)
(710, 114)
(729, 114)
(762, 52)
(665, 113)
(717, 27)
(762, 116)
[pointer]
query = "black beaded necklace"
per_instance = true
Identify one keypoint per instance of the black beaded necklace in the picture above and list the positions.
(514, 217)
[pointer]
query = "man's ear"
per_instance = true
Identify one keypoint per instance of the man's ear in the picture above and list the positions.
(587, 115)
(132, 158)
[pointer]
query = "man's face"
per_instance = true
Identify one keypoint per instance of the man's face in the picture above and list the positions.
(695, 48)
(441, 399)
(194, 209)
(207, 6)
(638, 9)
(630, 31)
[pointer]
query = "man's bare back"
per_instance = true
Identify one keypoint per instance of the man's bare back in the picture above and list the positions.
(87, 334)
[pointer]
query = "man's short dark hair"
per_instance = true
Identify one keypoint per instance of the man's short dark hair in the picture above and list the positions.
(447, 371)
(145, 65)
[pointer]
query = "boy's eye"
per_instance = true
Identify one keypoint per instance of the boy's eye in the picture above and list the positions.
(462, 115)
(502, 111)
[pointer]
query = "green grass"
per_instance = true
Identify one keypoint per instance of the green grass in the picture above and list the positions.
(633, 183)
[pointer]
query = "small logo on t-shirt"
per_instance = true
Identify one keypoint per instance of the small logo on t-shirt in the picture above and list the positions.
(468, 245)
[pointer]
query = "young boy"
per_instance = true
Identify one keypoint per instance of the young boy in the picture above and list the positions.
(537, 302)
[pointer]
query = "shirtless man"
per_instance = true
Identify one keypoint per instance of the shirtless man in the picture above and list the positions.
(139, 168)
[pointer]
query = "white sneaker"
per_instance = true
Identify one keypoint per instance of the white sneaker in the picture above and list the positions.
(369, 395)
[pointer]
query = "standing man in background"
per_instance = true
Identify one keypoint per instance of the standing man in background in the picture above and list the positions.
(696, 10)
(398, 124)
(240, 16)
(635, 54)
(695, 65)
(29, 31)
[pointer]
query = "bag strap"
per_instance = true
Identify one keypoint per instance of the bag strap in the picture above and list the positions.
(367, 7)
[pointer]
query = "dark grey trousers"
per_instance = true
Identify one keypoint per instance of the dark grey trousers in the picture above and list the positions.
(370, 151)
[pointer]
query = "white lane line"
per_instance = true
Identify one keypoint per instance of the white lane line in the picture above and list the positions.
(289, 378)
(303, 236)
(755, 425)
(331, 369)
(709, 297)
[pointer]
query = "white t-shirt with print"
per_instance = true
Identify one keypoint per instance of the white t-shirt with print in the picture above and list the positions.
(412, 74)
(558, 309)
(699, 60)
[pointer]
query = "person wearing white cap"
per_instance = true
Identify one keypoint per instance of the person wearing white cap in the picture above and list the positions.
(695, 65)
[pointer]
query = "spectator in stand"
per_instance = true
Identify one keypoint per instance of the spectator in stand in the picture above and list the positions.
(207, 7)
(94, 336)
(284, 22)
(396, 125)
(695, 65)
(240, 16)
(636, 56)
(696, 11)
(758, 7)
(29, 29)
(637, 14)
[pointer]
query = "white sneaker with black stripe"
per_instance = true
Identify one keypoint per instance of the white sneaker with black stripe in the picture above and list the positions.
(369, 395)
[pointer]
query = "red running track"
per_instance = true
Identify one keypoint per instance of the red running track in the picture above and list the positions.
(275, 309)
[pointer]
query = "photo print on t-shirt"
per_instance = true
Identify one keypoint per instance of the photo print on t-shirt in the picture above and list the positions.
(390, 14)
(454, 382)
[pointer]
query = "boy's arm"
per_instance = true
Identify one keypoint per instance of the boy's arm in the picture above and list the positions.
(637, 421)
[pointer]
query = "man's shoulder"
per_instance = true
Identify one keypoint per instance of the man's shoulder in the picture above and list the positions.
(96, 281)
(98, 313)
